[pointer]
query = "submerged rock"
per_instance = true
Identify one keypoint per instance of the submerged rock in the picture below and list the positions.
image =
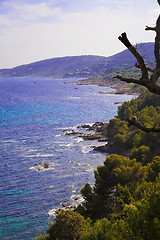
(43, 167)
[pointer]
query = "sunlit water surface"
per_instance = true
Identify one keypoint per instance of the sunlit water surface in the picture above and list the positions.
(33, 116)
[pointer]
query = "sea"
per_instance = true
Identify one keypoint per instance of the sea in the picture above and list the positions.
(35, 115)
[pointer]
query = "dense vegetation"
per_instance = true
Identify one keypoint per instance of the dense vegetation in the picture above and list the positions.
(107, 78)
(146, 108)
(124, 202)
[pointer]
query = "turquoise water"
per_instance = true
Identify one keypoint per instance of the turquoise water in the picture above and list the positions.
(33, 117)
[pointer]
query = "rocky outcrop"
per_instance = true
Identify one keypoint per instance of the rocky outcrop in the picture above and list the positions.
(102, 149)
(97, 131)
(72, 132)
(72, 203)
(100, 131)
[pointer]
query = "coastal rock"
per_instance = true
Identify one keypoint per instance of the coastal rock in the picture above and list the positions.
(94, 127)
(72, 132)
(96, 136)
(103, 149)
(72, 203)
(86, 126)
(118, 103)
(100, 130)
(43, 167)
(91, 136)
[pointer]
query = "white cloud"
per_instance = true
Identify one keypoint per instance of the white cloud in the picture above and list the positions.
(114, 2)
(28, 13)
(36, 31)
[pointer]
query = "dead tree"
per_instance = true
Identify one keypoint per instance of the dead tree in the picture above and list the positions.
(147, 80)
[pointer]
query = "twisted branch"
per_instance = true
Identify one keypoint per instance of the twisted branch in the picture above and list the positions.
(145, 80)
(133, 121)
(150, 82)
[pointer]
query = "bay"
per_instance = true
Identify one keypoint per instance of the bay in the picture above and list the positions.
(34, 114)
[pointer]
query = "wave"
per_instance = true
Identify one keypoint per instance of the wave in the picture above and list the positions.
(86, 149)
(66, 144)
(8, 141)
(72, 203)
(53, 212)
(74, 98)
(32, 150)
(38, 155)
(78, 139)
(58, 135)
(39, 168)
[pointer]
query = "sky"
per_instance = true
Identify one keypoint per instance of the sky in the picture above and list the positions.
(34, 30)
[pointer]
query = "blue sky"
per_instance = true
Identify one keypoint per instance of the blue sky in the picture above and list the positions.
(33, 30)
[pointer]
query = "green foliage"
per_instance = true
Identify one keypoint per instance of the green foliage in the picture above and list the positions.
(101, 201)
(91, 207)
(69, 225)
(118, 169)
(154, 169)
(129, 108)
(147, 110)
(124, 71)
(143, 217)
(119, 136)
(116, 126)
(123, 196)
(99, 231)
(150, 116)
(40, 236)
(151, 140)
(141, 154)
(139, 220)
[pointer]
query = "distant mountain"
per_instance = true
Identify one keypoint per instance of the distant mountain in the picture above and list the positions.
(79, 66)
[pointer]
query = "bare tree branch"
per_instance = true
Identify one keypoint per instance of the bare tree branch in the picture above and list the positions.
(123, 38)
(150, 28)
(157, 41)
(130, 80)
(148, 68)
(133, 121)
(150, 82)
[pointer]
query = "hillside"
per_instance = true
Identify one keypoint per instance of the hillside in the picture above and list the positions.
(78, 66)
(55, 67)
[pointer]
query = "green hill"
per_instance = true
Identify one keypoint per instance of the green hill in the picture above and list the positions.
(79, 66)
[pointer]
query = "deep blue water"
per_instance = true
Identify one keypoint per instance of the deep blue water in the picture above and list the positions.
(33, 116)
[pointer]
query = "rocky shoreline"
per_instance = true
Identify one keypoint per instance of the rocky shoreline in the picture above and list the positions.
(117, 88)
(97, 131)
